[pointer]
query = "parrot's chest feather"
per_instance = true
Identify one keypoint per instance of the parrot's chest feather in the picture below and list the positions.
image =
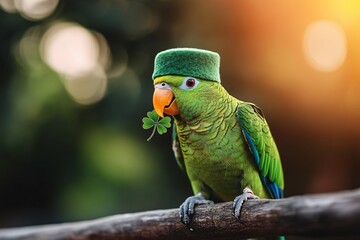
(215, 152)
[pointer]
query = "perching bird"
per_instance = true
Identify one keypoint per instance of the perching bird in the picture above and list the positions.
(224, 144)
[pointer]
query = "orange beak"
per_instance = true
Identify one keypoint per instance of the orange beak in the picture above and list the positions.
(164, 102)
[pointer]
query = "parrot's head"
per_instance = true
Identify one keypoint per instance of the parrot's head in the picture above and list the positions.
(184, 97)
(186, 81)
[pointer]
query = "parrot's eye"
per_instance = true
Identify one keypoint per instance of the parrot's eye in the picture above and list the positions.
(189, 83)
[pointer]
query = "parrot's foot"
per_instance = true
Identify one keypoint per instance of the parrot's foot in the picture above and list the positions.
(239, 200)
(187, 208)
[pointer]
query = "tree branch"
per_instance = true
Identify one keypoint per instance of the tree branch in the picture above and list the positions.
(336, 214)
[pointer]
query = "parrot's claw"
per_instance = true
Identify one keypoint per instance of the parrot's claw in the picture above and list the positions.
(239, 200)
(188, 206)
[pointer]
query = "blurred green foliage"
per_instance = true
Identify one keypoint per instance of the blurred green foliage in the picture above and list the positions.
(63, 161)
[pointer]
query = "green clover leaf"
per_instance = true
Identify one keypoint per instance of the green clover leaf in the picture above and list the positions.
(153, 116)
(148, 123)
(153, 120)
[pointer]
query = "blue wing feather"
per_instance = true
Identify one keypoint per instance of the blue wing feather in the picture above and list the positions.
(251, 144)
(264, 157)
(275, 191)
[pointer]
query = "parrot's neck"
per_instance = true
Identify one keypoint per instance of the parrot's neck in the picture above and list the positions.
(211, 120)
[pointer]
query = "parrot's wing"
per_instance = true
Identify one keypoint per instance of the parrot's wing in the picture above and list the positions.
(262, 146)
(176, 148)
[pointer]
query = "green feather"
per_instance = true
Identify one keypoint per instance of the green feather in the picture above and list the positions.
(252, 119)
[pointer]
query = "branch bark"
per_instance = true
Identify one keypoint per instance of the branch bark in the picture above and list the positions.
(334, 214)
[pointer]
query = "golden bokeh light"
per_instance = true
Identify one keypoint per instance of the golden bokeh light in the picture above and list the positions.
(87, 89)
(70, 49)
(324, 45)
(26, 51)
(80, 56)
(36, 9)
(8, 6)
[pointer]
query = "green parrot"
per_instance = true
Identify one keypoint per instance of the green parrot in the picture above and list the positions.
(223, 144)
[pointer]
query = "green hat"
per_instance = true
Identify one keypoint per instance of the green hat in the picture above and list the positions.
(190, 62)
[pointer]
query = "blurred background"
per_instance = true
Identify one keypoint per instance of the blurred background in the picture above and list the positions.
(76, 82)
